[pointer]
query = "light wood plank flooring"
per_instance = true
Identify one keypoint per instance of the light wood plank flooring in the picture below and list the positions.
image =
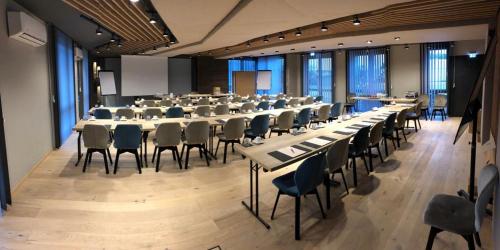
(59, 207)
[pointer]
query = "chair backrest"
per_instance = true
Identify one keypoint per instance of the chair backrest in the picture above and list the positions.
(318, 98)
(376, 132)
(279, 104)
(197, 132)
(186, 101)
(425, 99)
(260, 124)
(152, 112)
(361, 139)
(390, 122)
(203, 110)
(166, 103)
(293, 102)
(222, 100)
(335, 109)
(285, 119)
(95, 136)
(337, 154)
(252, 98)
(102, 114)
(247, 106)
(309, 100)
(264, 98)
(127, 136)
(486, 185)
(168, 134)
(304, 116)
(324, 112)
(309, 174)
(174, 112)
(264, 105)
(234, 128)
(128, 113)
(349, 98)
(280, 96)
(401, 118)
(418, 108)
(221, 109)
(204, 101)
(149, 103)
(440, 101)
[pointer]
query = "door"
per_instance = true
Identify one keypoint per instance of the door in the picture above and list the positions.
(5, 197)
(466, 71)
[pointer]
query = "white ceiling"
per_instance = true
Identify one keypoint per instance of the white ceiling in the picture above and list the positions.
(192, 20)
(460, 33)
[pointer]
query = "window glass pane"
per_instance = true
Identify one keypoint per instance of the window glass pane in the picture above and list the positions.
(318, 75)
(435, 70)
(274, 63)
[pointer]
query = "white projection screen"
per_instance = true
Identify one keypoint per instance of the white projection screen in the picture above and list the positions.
(144, 75)
(107, 81)
(264, 79)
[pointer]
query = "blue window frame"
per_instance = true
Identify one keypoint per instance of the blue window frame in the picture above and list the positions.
(318, 75)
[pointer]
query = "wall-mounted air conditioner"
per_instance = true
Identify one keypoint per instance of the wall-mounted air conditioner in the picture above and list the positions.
(26, 29)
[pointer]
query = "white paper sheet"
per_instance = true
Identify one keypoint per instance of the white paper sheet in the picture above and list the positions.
(318, 141)
(292, 152)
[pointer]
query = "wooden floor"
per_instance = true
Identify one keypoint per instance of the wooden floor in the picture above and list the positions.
(59, 207)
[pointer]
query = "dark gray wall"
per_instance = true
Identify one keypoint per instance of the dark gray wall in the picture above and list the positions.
(114, 64)
(179, 75)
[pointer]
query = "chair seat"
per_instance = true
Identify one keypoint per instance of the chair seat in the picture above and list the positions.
(353, 152)
(286, 184)
(450, 213)
(387, 133)
(348, 104)
(249, 133)
(412, 115)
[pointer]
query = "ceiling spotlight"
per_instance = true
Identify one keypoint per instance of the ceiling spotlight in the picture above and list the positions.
(227, 49)
(452, 44)
(356, 21)
(298, 33)
(262, 53)
(98, 31)
(119, 44)
(281, 37)
(167, 45)
(113, 38)
(248, 44)
(108, 48)
(165, 33)
(369, 41)
(312, 54)
(266, 39)
(397, 38)
(340, 44)
(152, 20)
(173, 41)
(292, 49)
(210, 53)
(472, 54)
(98, 52)
(154, 48)
(323, 27)
(277, 51)
(134, 1)
(407, 46)
(313, 47)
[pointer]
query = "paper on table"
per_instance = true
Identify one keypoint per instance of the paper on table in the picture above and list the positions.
(318, 141)
(290, 151)
(348, 130)
(366, 123)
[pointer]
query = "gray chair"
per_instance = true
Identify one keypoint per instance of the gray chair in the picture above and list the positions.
(336, 158)
(459, 215)
(323, 114)
(186, 102)
(151, 112)
(236, 99)
(415, 116)
(222, 100)
(233, 131)
(350, 104)
(400, 125)
(309, 100)
(280, 96)
(204, 101)
(425, 105)
(203, 110)
(264, 98)
(125, 112)
(294, 102)
(166, 103)
(96, 138)
(374, 142)
(252, 98)
(440, 103)
(168, 136)
(196, 136)
(247, 106)
(284, 123)
(149, 103)
(221, 109)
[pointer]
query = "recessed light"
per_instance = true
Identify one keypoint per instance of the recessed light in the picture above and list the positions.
(369, 41)
(312, 54)
(472, 54)
(266, 39)
(209, 53)
(298, 33)
(341, 44)
(227, 49)
(323, 27)
(119, 44)
(397, 38)
(154, 48)
(113, 39)
(262, 53)
(167, 45)
(152, 20)
(356, 21)
(165, 33)
(281, 37)
(134, 1)
(98, 31)
(277, 51)
(292, 49)
(248, 44)
(407, 46)
(172, 41)
(313, 47)
(98, 52)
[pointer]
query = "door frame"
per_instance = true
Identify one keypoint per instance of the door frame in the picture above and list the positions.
(5, 192)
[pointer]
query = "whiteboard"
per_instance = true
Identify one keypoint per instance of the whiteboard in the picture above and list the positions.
(264, 79)
(144, 75)
(107, 80)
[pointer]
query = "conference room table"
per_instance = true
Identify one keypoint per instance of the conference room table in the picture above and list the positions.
(147, 126)
(281, 151)
(385, 99)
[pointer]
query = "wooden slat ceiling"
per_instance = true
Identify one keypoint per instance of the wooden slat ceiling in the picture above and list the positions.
(129, 21)
(399, 16)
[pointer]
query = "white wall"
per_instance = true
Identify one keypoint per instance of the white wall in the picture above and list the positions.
(404, 69)
(24, 87)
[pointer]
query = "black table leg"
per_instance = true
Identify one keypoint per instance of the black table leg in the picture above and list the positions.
(255, 168)
(145, 140)
(79, 145)
(213, 131)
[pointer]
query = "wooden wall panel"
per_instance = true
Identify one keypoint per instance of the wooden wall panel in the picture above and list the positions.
(211, 73)
(244, 82)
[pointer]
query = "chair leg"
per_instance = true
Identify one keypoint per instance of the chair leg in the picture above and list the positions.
(232, 146)
(478, 240)
(118, 151)
(370, 156)
(158, 160)
(90, 156)
(187, 156)
(404, 135)
(178, 158)
(319, 203)
(206, 154)
(173, 155)
(87, 155)
(105, 161)
(182, 150)
(201, 153)
(470, 241)
(354, 174)
(397, 138)
(326, 182)
(420, 125)
(344, 180)
(393, 143)
(154, 154)
(217, 148)
(432, 234)
(416, 127)
(225, 151)
(380, 154)
(138, 161)
(109, 155)
(275, 204)
(297, 218)
(385, 146)
(366, 165)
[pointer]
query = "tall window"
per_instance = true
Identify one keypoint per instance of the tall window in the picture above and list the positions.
(434, 70)
(245, 64)
(367, 74)
(318, 75)
(277, 66)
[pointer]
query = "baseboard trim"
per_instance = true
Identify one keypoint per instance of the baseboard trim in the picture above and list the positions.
(35, 166)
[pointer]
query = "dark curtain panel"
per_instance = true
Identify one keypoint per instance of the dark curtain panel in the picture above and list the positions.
(318, 75)
(434, 65)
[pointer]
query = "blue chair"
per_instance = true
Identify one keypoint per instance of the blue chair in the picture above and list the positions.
(258, 127)
(357, 148)
(174, 112)
(263, 105)
(102, 114)
(127, 140)
(335, 111)
(280, 104)
(318, 98)
(303, 181)
(303, 118)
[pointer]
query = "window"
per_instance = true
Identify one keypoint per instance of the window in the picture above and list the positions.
(274, 63)
(367, 75)
(318, 75)
(434, 70)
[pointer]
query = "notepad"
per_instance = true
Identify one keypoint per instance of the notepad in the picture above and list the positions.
(291, 151)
